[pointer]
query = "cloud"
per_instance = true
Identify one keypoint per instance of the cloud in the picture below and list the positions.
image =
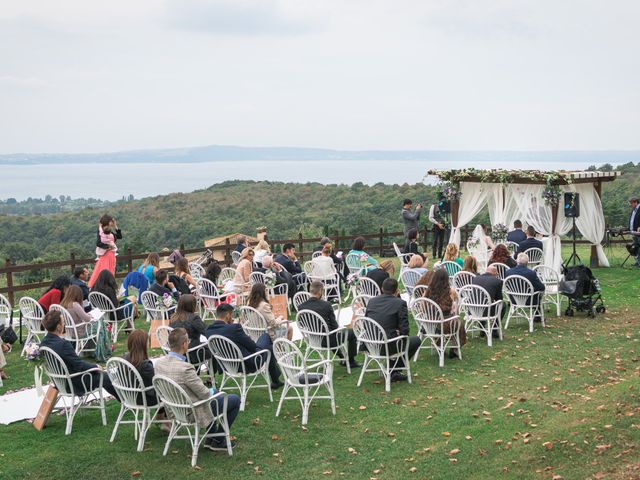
(23, 82)
(236, 17)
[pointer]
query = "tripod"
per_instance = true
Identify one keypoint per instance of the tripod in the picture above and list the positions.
(574, 256)
(628, 255)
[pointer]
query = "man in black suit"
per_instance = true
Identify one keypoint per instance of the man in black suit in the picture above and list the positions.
(530, 242)
(225, 327)
(523, 270)
(54, 339)
(242, 243)
(516, 235)
(492, 284)
(288, 259)
(634, 225)
(79, 278)
(390, 311)
(324, 309)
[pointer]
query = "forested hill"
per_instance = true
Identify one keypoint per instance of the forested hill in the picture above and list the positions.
(241, 206)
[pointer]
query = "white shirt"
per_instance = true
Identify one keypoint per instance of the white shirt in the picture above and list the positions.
(323, 267)
(432, 215)
(633, 218)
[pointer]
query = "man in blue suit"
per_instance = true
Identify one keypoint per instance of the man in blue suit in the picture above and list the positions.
(530, 242)
(516, 235)
(523, 270)
(225, 327)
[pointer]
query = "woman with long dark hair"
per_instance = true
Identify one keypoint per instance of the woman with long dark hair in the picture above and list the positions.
(106, 284)
(501, 255)
(441, 292)
(138, 356)
(108, 233)
(277, 327)
(55, 293)
(186, 317)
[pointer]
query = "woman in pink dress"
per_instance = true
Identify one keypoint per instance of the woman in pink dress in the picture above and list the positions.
(108, 233)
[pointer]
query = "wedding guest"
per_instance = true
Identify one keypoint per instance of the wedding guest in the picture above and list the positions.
(411, 246)
(3, 361)
(182, 278)
(530, 242)
(242, 242)
(106, 284)
(138, 356)
(522, 269)
(109, 232)
(288, 259)
(261, 250)
(338, 261)
(501, 255)
(243, 270)
(150, 267)
(470, 265)
(186, 317)
(212, 271)
(162, 286)
(366, 260)
(276, 327)
(323, 266)
(516, 235)
(282, 276)
(79, 278)
(385, 270)
(55, 293)
(452, 254)
(441, 292)
(72, 301)
(416, 264)
(425, 279)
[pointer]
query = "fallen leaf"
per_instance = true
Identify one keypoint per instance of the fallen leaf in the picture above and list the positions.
(362, 407)
(413, 469)
(136, 474)
(446, 434)
(467, 437)
(548, 445)
(455, 451)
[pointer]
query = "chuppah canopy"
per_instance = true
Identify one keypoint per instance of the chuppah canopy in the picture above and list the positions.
(532, 196)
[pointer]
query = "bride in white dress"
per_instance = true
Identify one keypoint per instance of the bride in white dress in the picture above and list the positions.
(479, 245)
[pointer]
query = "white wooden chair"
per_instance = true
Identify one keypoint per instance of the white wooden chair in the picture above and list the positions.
(176, 400)
(235, 258)
(523, 300)
(6, 311)
(431, 329)
(102, 302)
(32, 313)
(132, 394)
(154, 307)
(209, 297)
(252, 321)
(316, 254)
(378, 352)
(451, 267)
(307, 267)
(419, 291)
(480, 313)
(84, 343)
(359, 305)
(162, 334)
(535, 256)
(368, 287)
(409, 278)
(352, 260)
(196, 270)
(226, 274)
(462, 279)
(197, 355)
(550, 278)
(232, 363)
(74, 399)
(512, 247)
(501, 269)
(305, 380)
(317, 335)
(403, 257)
(299, 298)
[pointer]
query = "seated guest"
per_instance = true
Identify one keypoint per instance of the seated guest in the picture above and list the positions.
(212, 271)
(182, 279)
(323, 266)
(470, 265)
(366, 260)
(523, 270)
(163, 286)
(530, 242)
(225, 327)
(324, 309)
(282, 276)
(441, 292)
(79, 278)
(242, 243)
(425, 279)
(516, 235)
(106, 284)
(72, 301)
(337, 261)
(261, 250)
(492, 284)
(277, 327)
(150, 267)
(174, 365)
(451, 254)
(138, 356)
(501, 255)
(416, 264)
(243, 270)
(186, 317)
(385, 270)
(390, 312)
(288, 259)
(54, 339)
(55, 293)
(412, 242)
(3, 361)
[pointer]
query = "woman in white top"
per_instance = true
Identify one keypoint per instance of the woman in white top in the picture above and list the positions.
(260, 251)
(323, 266)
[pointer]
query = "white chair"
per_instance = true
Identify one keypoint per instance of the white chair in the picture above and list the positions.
(74, 399)
(132, 394)
(235, 257)
(524, 301)
(299, 298)
(501, 269)
(176, 400)
(462, 279)
(368, 287)
(32, 313)
(209, 297)
(535, 256)
(317, 336)
(6, 311)
(234, 367)
(403, 257)
(409, 278)
(480, 253)
(84, 342)
(382, 352)
(162, 334)
(102, 302)
(359, 305)
(451, 267)
(252, 321)
(154, 307)
(512, 247)
(354, 264)
(480, 313)
(307, 267)
(226, 274)
(431, 328)
(305, 380)
(419, 291)
(196, 270)
(197, 355)
(550, 278)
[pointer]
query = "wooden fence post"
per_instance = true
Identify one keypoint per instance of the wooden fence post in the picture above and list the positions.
(72, 257)
(381, 242)
(12, 299)
(301, 245)
(129, 259)
(227, 252)
(182, 249)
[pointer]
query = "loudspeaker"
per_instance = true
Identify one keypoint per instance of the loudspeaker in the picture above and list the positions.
(571, 205)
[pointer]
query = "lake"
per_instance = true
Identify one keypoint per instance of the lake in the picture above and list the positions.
(113, 180)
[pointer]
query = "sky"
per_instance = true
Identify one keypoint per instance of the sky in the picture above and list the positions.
(87, 76)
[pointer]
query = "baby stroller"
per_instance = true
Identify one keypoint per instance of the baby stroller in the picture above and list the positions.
(582, 290)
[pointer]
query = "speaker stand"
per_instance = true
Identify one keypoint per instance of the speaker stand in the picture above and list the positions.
(574, 258)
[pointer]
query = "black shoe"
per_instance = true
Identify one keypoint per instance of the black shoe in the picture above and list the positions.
(398, 377)
(453, 353)
(218, 444)
(276, 385)
(354, 364)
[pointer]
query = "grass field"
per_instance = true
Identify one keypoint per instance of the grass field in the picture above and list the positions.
(563, 402)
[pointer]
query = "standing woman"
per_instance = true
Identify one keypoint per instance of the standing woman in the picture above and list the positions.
(108, 233)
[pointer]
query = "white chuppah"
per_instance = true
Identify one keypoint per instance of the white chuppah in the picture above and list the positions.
(511, 195)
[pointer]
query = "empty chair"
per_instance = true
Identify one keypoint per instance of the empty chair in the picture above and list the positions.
(409, 278)
(235, 367)
(74, 399)
(226, 274)
(434, 330)
(550, 278)
(162, 334)
(451, 267)
(235, 257)
(102, 302)
(154, 307)
(208, 296)
(306, 380)
(257, 277)
(32, 313)
(383, 354)
(252, 321)
(368, 287)
(177, 401)
(461, 279)
(320, 339)
(85, 339)
(299, 298)
(501, 268)
(132, 394)
(481, 313)
(403, 257)
(535, 256)
(196, 270)
(524, 300)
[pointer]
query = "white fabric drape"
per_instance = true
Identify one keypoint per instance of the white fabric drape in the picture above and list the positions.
(471, 201)
(502, 207)
(591, 221)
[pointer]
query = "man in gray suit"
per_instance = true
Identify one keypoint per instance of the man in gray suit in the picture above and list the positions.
(410, 218)
(175, 366)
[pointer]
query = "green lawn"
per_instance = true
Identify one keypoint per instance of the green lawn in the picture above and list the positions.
(562, 402)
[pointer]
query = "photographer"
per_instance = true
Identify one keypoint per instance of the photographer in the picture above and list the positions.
(410, 218)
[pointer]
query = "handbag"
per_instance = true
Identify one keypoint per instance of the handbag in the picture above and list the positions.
(8, 335)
